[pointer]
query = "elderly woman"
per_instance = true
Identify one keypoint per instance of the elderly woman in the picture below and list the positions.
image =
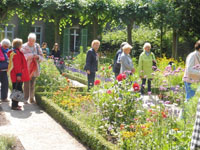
(192, 72)
(146, 60)
(117, 60)
(4, 46)
(32, 52)
(17, 69)
(91, 65)
(126, 61)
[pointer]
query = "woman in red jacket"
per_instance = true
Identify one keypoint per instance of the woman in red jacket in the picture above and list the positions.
(17, 69)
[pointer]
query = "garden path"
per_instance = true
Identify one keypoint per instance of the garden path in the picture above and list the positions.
(76, 83)
(37, 130)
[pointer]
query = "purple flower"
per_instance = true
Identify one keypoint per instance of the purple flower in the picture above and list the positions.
(162, 88)
(110, 128)
(167, 102)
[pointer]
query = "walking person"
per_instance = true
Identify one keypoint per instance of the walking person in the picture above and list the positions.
(4, 47)
(117, 60)
(17, 69)
(146, 60)
(91, 65)
(192, 72)
(126, 60)
(34, 56)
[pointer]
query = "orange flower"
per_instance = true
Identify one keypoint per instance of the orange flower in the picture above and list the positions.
(121, 127)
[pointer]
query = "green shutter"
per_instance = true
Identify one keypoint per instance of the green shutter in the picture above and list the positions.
(84, 38)
(66, 42)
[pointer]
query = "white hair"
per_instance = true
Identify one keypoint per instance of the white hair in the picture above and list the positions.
(146, 45)
(32, 36)
(127, 46)
(5, 42)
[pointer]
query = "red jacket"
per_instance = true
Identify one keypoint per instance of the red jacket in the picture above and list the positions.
(19, 67)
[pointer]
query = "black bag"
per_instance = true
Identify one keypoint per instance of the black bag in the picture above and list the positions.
(154, 66)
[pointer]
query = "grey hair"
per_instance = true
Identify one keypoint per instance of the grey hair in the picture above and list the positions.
(146, 45)
(127, 46)
(123, 43)
(32, 36)
(6, 42)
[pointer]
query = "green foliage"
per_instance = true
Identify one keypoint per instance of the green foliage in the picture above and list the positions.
(80, 59)
(111, 40)
(7, 142)
(50, 77)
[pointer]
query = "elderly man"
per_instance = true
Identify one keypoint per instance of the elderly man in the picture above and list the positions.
(32, 52)
(4, 47)
(92, 62)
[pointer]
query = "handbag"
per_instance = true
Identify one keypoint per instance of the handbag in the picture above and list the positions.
(17, 95)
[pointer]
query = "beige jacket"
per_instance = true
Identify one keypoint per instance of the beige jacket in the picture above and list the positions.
(192, 60)
(28, 53)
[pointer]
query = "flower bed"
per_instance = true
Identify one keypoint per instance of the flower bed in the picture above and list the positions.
(115, 111)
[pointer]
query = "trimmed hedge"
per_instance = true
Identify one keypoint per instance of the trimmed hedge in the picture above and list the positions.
(86, 136)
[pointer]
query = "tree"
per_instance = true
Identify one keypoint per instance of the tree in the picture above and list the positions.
(160, 9)
(130, 12)
(97, 13)
(7, 9)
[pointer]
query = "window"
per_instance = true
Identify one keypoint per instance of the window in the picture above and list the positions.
(38, 31)
(74, 40)
(7, 31)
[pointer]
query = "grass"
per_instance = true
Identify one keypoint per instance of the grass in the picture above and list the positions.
(7, 142)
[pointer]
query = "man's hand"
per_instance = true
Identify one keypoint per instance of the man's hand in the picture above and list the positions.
(19, 78)
(88, 71)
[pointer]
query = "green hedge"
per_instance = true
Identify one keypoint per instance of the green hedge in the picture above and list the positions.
(86, 136)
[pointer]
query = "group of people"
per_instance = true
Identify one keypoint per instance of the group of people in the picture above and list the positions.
(122, 63)
(19, 67)
(55, 52)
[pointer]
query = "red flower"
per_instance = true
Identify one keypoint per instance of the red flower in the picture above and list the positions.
(109, 67)
(136, 87)
(164, 115)
(109, 91)
(97, 82)
(121, 76)
(103, 68)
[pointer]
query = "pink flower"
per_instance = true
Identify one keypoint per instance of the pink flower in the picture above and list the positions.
(109, 91)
